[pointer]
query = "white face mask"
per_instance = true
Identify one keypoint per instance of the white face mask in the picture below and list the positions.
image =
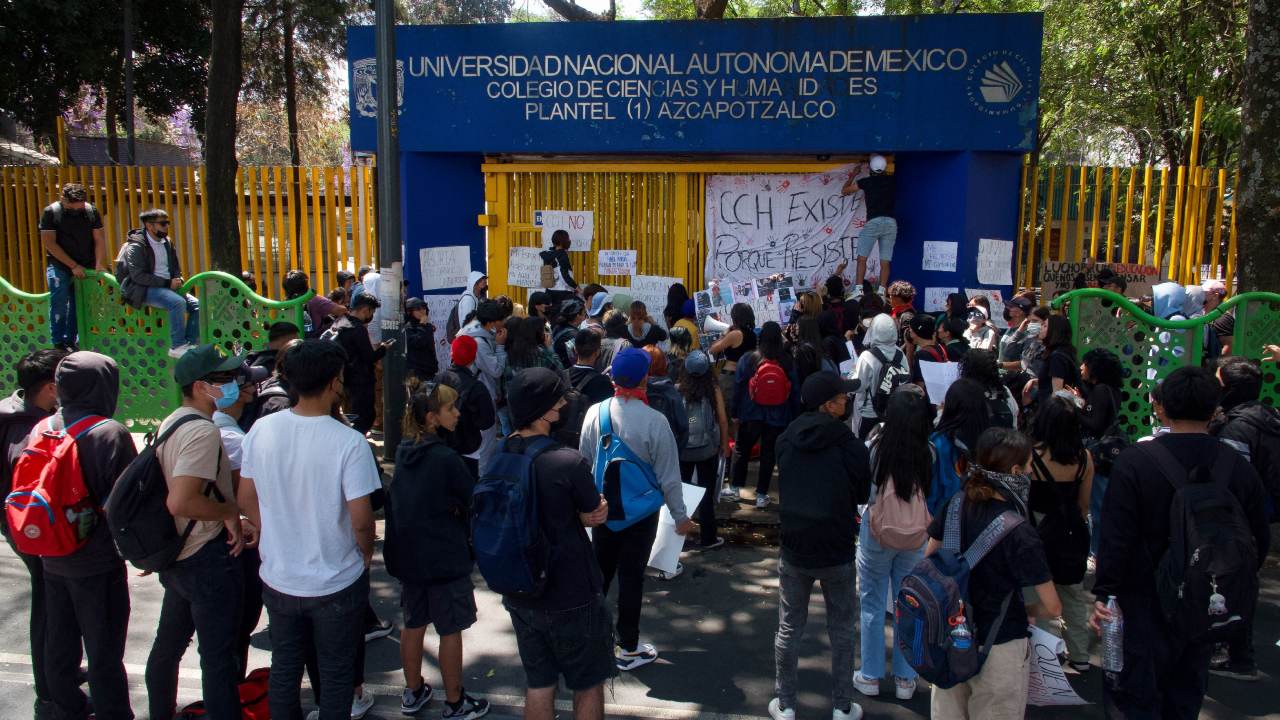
(1033, 329)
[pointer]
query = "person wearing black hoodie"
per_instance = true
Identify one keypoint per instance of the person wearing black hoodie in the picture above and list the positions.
(428, 549)
(565, 287)
(359, 377)
(1252, 426)
(88, 590)
(420, 341)
(824, 474)
(36, 399)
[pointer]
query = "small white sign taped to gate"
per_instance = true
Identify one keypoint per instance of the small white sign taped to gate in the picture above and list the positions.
(524, 267)
(445, 267)
(617, 262)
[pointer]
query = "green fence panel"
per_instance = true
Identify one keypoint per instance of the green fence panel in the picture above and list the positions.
(1258, 325)
(26, 329)
(235, 317)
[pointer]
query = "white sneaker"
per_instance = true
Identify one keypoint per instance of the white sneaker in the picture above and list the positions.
(904, 689)
(313, 715)
(729, 493)
(361, 705)
(857, 292)
(865, 685)
(180, 350)
(663, 575)
(763, 501)
(855, 713)
(644, 654)
(777, 712)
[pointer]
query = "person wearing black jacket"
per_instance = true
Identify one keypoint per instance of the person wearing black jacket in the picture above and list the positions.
(474, 402)
(1164, 675)
(150, 274)
(428, 549)
(35, 400)
(420, 341)
(359, 376)
(557, 256)
(824, 474)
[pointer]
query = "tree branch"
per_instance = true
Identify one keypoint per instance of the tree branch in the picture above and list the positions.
(569, 11)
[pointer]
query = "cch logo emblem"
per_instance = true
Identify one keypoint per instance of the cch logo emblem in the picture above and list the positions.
(997, 83)
(31, 531)
(364, 72)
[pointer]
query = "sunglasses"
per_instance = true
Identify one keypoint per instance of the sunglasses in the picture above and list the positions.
(161, 223)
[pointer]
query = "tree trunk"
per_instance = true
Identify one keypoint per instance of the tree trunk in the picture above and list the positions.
(570, 11)
(220, 136)
(290, 86)
(109, 117)
(1259, 208)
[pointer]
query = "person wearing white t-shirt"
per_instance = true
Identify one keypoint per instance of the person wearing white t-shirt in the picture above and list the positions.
(306, 479)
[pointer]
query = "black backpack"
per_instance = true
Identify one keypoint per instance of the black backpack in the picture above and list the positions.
(136, 510)
(1107, 447)
(466, 437)
(1064, 532)
(1207, 581)
(998, 409)
(892, 376)
(573, 413)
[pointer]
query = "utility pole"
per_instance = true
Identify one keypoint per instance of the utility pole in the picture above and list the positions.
(132, 155)
(389, 250)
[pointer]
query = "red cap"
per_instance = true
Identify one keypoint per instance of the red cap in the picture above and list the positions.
(463, 350)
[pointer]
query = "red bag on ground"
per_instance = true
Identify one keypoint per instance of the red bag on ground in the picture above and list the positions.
(50, 511)
(253, 699)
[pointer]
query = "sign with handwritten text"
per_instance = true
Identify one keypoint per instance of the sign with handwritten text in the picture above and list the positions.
(580, 224)
(995, 261)
(445, 267)
(524, 267)
(939, 256)
(617, 262)
(935, 298)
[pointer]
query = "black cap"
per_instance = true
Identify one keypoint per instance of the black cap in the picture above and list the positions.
(824, 385)
(532, 393)
(345, 275)
(1022, 304)
(923, 325)
(414, 303)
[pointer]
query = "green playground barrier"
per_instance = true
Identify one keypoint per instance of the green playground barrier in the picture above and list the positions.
(1150, 348)
(231, 315)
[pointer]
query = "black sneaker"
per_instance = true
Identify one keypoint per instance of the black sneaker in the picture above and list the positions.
(468, 708)
(411, 701)
(381, 630)
(1235, 671)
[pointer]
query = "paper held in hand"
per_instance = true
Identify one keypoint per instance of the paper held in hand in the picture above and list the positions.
(668, 545)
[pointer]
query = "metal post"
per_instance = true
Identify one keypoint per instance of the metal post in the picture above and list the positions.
(132, 155)
(389, 251)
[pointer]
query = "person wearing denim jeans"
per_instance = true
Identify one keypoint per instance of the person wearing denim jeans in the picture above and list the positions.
(150, 276)
(72, 237)
(183, 311)
(795, 587)
(881, 229)
(880, 573)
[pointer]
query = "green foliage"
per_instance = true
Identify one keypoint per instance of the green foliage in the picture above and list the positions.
(453, 12)
(319, 36)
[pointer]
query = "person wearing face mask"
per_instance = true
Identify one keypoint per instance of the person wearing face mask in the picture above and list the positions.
(360, 378)
(1017, 313)
(71, 234)
(204, 586)
(150, 275)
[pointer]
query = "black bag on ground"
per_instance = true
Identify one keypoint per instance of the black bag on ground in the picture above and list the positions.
(1064, 532)
(137, 513)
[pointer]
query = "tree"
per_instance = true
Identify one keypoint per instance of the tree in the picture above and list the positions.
(455, 12)
(261, 137)
(1259, 222)
(220, 136)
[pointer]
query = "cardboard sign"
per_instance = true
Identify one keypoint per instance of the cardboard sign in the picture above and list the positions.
(445, 267)
(1060, 277)
(524, 267)
(1047, 684)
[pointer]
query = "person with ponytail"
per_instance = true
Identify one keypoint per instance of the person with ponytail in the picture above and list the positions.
(996, 482)
(428, 548)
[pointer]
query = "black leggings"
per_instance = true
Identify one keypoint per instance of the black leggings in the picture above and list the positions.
(749, 433)
(707, 470)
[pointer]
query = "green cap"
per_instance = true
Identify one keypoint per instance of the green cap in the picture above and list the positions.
(202, 361)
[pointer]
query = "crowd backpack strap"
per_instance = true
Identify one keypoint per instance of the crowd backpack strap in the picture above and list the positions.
(50, 511)
(627, 482)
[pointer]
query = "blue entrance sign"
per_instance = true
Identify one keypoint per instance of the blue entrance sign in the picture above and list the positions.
(819, 85)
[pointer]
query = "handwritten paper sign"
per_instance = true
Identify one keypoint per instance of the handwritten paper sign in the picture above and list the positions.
(439, 307)
(580, 224)
(758, 225)
(995, 261)
(938, 378)
(935, 299)
(617, 262)
(997, 303)
(445, 267)
(1047, 684)
(652, 291)
(668, 544)
(1059, 277)
(939, 256)
(524, 267)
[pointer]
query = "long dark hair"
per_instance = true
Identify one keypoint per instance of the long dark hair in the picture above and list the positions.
(676, 296)
(1057, 428)
(964, 413)
(743, 317)
(1058, 336)
(771, 346)
(980, 366)
(807, 330)
(694, 389)
(902, 452)
(524, 339)
(998, 450)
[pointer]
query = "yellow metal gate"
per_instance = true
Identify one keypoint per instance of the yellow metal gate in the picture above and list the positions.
(652, 206)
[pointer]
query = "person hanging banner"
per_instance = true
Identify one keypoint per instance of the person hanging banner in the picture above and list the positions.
(799, 224)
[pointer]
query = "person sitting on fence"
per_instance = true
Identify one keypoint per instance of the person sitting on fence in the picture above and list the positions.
(71, 234)
(150, 274)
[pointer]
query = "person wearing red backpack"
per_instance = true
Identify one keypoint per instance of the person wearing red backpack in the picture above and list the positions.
(87, 591)
(35, 400)
(765, 399)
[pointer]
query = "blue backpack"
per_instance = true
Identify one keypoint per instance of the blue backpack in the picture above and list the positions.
(627, 482)
(511, 551)
(931, 624)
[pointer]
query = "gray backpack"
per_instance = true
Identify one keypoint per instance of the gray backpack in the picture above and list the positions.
(704, 431)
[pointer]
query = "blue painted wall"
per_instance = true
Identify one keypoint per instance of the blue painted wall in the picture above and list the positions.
(441, 195)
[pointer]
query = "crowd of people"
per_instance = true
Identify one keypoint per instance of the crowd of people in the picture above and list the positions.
(271, 492)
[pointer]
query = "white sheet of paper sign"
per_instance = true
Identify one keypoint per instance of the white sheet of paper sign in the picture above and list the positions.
(668, 545)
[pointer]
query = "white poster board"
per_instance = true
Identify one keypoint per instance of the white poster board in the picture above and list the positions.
(580, 224)
(445, 267)
(939, 256)
(935, 298)
(938, 378)
(995, 261)
(439, 307)
(617, 262)
(652, 291)
(668, 544)
(1047, 684)
(524, 267)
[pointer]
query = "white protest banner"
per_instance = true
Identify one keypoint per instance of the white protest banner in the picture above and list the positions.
(439, 307)
(668, 544)
(997, 303)
(995, 261)
(617, 262)
(939, 256)
(935, 299)
(524, 267)
(445, 267)
(759, 225)
(938, 378)
(652, 291)
(1047, 684)
(580, 224)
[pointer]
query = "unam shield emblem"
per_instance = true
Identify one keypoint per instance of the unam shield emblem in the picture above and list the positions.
(364, 74)
(998, 83)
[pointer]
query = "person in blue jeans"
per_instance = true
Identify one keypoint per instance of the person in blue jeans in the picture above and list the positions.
(71, 234)
(150, 275)
(889, 546)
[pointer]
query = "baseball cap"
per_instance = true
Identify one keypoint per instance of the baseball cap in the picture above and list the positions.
(598, 301)
(344, 275)
(822, 386)
(252, 374)
(630, 367)
(697, 364)
(203, 361)
(414, 303)
(878, 163)
(1022, 304)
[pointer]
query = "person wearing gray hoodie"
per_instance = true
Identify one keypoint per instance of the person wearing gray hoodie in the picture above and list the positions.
(87, 592)
(490, 366)
(882, 342)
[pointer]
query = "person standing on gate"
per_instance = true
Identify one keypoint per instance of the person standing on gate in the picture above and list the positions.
(881, 229)
(563, 286)
(73, 241)
(150, 275)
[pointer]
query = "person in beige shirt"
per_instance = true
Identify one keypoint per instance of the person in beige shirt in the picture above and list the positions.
(204, 586)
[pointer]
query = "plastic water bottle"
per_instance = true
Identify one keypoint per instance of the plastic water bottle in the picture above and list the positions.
(1113, 638)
